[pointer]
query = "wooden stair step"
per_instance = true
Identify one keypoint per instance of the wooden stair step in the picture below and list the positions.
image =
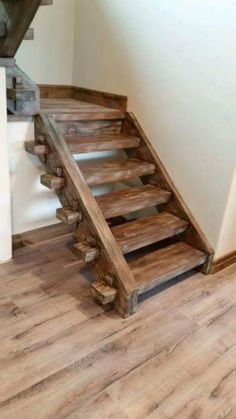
(115, 171)
(78, 144)
(132, 199)
(146, 231)
(162, 265)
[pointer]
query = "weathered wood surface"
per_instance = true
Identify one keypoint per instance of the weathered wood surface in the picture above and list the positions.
(131, 199)
(77, 193)
(223, 262)
(145, 231)
(90, 144)
(63, 356)
(115, 171)
(68, 215)
(177, 206)
(75, 110)
(109, 100)
(162, 265)
(22, 92)
(18, 16)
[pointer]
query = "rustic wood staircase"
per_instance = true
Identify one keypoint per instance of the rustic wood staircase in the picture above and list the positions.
(128, 255)
(129, 251)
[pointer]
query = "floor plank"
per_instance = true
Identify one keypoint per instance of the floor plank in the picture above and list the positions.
(63, 356)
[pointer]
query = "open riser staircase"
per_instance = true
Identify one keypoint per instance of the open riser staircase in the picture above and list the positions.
(128, 255)
(138, 235)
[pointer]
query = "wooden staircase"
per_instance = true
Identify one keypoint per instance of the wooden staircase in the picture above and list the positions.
(129, 251)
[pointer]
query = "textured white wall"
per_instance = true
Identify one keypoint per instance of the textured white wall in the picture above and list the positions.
(176, 61)
(5, 199)
(49, 58)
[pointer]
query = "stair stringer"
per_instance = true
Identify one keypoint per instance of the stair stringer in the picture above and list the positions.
(94, 228)
(176, 206)
(17, 17)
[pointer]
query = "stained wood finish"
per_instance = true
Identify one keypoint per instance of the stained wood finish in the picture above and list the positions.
(52, 182)
(94, 225)
(223, 262)
(68, 215)
(63, 356)
(145, 231)
(74, 110)
(89, 144)
(114, 171)
(158, 267)
(103, 293)
(132, 199)
(194, 235)
(36, 149)
(108, 100)
(18, 16)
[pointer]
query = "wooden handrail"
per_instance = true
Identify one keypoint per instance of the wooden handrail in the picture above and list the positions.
(76, 189)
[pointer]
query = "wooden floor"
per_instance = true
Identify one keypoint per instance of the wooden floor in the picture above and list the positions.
(62, 356)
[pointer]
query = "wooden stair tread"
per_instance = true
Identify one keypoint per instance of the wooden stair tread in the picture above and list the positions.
(158, 267)
(115, 171)
(132, 199)
(146, 231)
(78, 144)
(74, 110)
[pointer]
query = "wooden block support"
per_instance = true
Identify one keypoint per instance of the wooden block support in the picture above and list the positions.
(68, 215)
(36, 149)
(103, 293)
(52, 182)
(86, 252)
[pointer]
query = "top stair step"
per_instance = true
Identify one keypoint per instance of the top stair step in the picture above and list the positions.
(74, 110)
(129, 200)
(94, 143)
(159, 267)
(115, 171)
(143, 232)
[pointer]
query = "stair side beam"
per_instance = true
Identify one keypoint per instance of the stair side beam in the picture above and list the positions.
(19, 17)
(161, 178)
(109, 251)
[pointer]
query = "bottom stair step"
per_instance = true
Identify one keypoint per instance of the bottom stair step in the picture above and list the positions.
(165, 264)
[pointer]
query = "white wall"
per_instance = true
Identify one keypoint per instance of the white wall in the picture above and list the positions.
(176, 61)
(5, 206)
(49, 58)
(227, 239)
(33, 205)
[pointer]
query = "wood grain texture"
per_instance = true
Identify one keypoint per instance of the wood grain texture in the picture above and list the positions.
(223, 262)
(131, 199)
(74, 110)
(90, 144)
(78, 193)
(62, 356)
(18, 16)
(145, 231)
(177, 206)
(115, 171)
(158, 267)
(106, 99)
